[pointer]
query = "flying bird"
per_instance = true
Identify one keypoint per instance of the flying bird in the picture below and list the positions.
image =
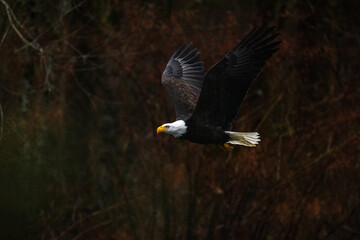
(206, 105)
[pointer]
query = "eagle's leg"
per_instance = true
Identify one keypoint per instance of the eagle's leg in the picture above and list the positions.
(228, 147)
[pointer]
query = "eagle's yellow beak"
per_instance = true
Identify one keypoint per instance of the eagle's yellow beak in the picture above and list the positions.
(161, 129)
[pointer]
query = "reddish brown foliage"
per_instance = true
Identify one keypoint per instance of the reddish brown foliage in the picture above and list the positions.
(80, 157)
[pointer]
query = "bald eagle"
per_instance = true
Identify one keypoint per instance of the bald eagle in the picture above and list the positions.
(206, 105)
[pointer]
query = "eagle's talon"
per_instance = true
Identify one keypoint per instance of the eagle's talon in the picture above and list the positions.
(228, 147)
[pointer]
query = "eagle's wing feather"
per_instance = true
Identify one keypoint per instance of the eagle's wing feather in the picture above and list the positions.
(226, 84)
(182, 78)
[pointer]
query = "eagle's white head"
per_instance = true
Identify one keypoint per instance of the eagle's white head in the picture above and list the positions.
(177, 128)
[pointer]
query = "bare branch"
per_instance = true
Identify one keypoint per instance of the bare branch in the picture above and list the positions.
(13, 22)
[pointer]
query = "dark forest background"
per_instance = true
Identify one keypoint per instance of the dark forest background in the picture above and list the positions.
(81, 97)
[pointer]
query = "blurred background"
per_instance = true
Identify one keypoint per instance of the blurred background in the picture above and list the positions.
(81, 97)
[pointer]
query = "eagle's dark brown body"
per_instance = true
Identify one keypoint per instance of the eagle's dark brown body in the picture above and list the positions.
(204, 134)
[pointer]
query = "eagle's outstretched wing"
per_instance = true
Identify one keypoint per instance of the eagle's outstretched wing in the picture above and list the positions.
(183, 78)
(226, 83)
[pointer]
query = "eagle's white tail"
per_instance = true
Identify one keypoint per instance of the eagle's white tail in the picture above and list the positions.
(249, 139)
